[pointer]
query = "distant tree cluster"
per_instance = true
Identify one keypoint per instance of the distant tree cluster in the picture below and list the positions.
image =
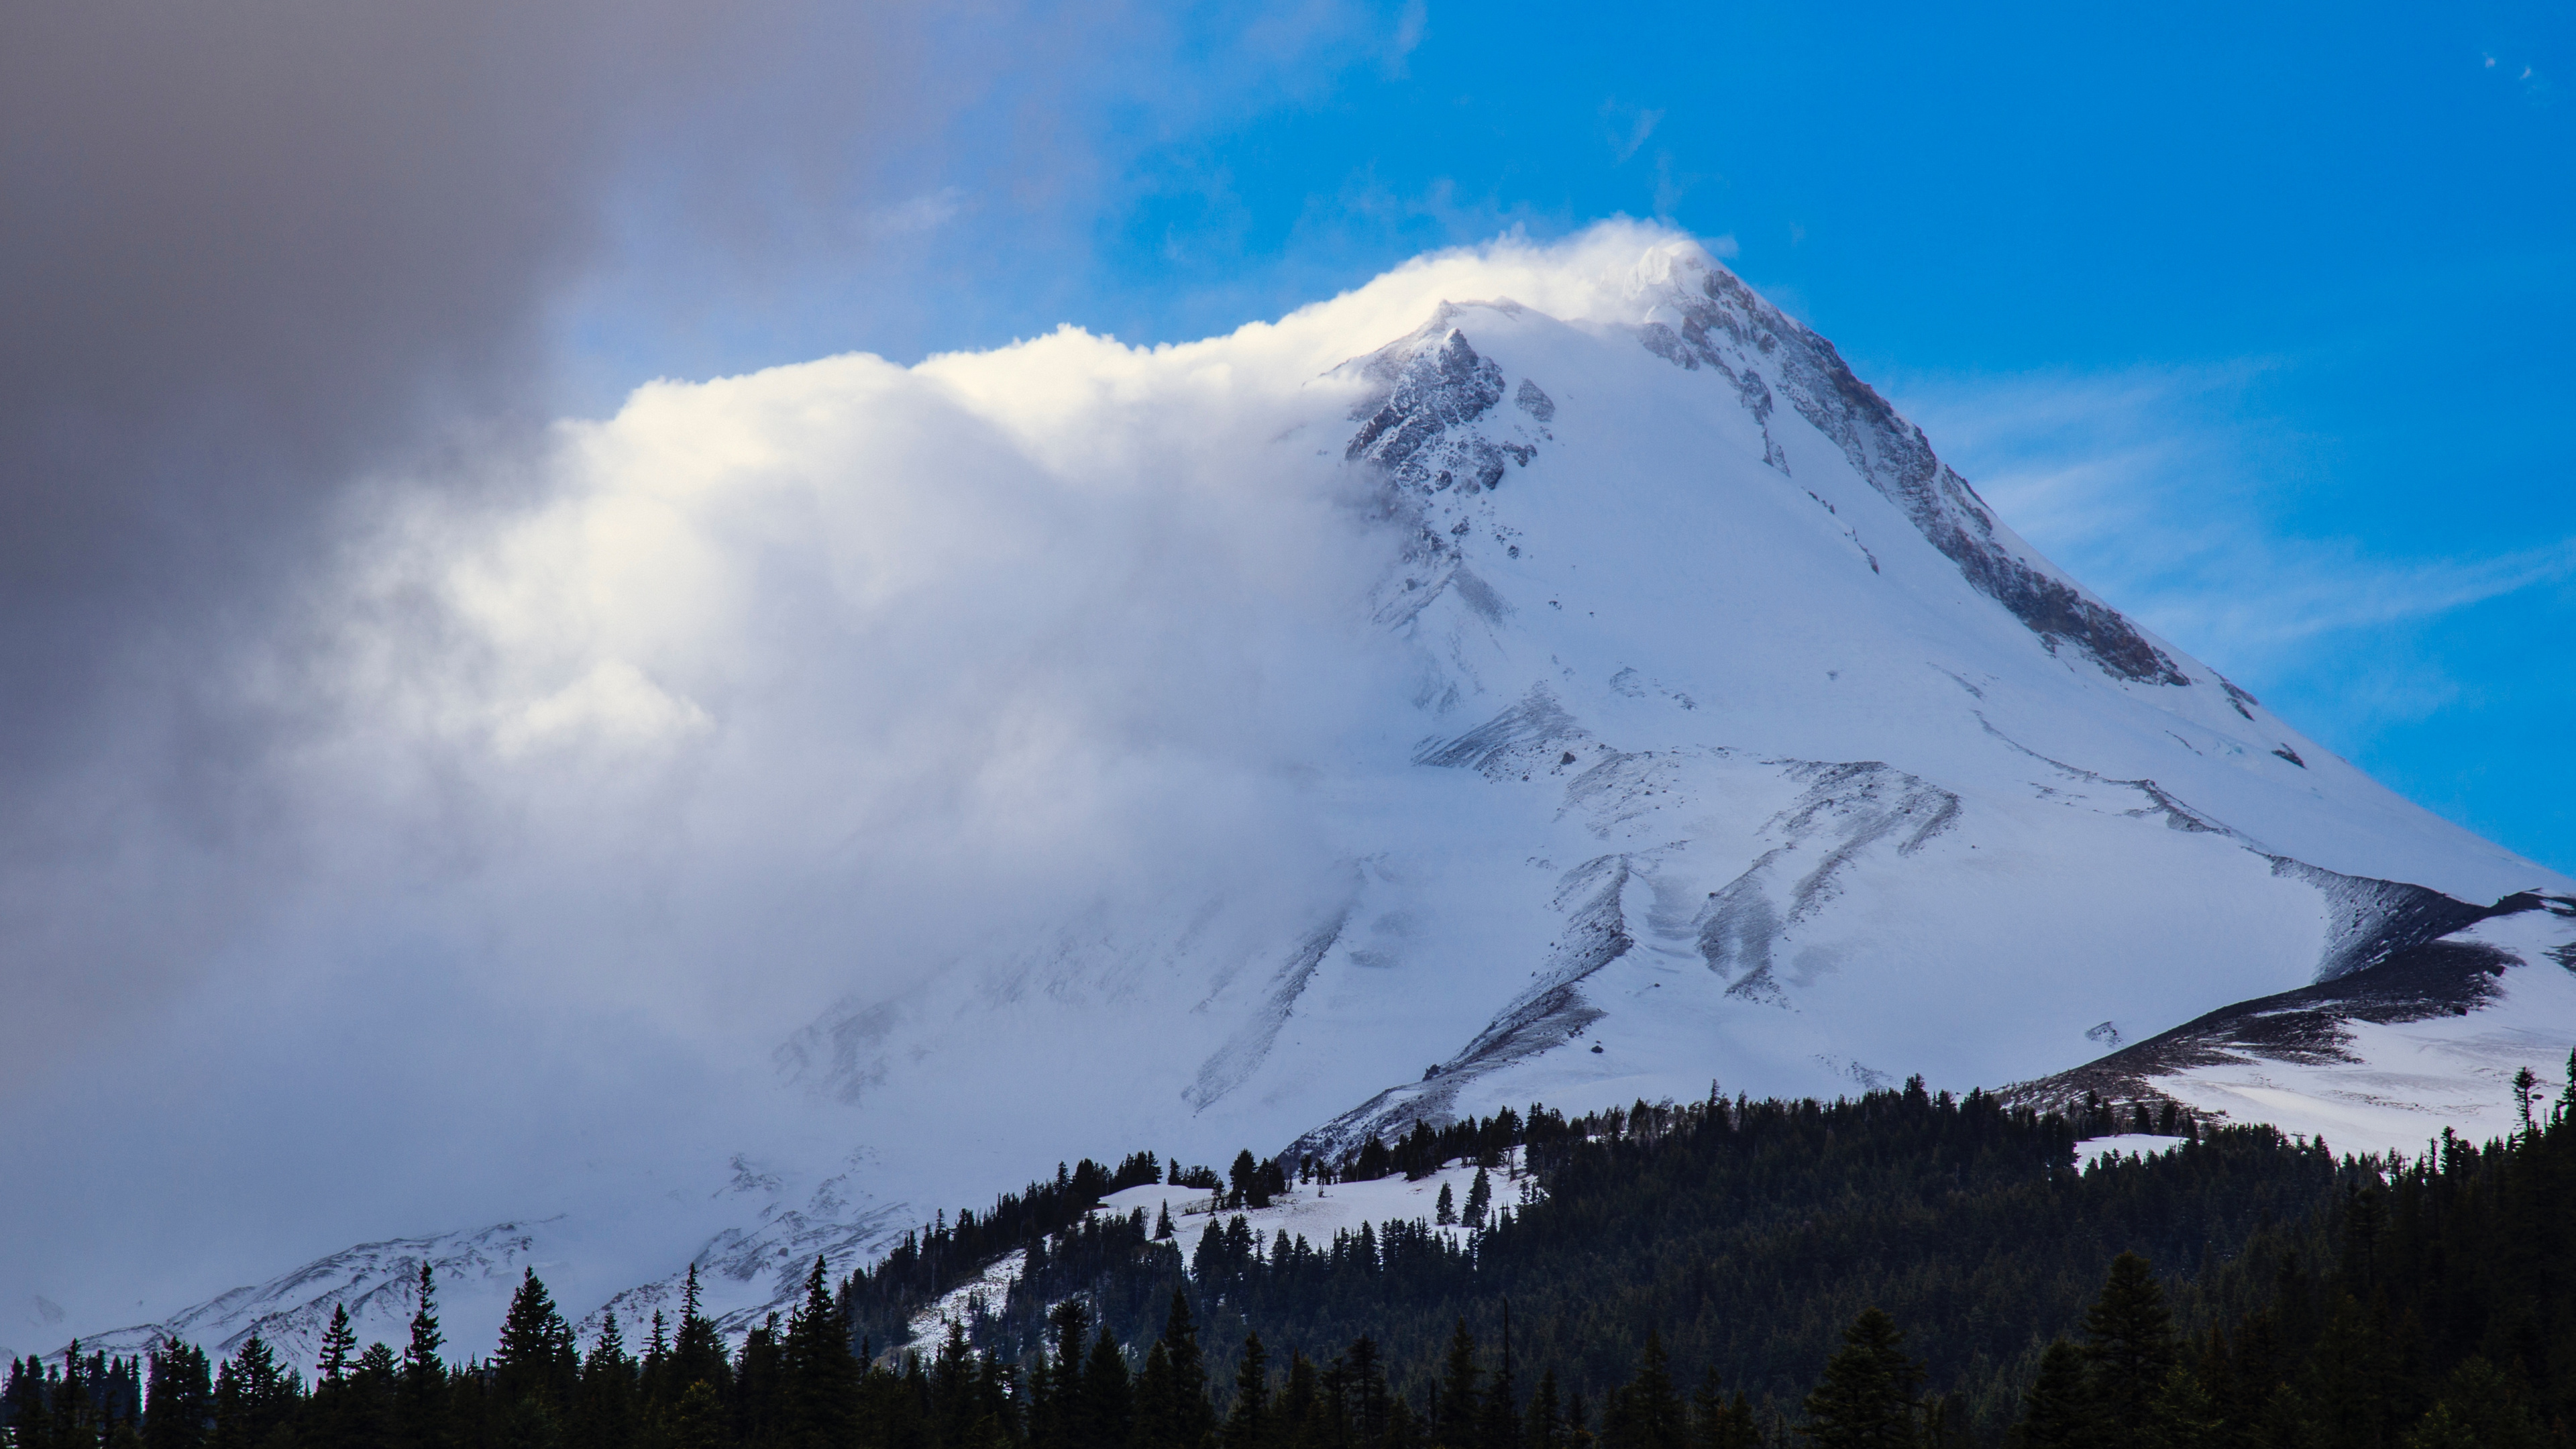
(1905, 1270)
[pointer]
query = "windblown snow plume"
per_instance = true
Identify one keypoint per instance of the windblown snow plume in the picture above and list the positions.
(1545, 673)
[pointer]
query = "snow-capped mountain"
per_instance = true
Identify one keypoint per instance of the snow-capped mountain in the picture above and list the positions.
(1726, 735)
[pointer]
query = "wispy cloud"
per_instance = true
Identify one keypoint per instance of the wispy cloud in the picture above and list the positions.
(2152, 485)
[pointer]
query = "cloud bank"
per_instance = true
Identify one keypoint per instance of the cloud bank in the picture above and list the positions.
(613, 756)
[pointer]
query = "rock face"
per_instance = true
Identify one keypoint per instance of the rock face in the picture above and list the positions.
(1736, 741)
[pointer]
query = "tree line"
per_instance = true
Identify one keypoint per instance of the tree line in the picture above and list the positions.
(1902, 1269)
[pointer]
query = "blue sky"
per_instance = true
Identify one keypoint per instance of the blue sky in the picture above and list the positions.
(2253, 317)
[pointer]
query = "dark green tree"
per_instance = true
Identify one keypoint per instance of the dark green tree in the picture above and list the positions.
(607, 1408)
(339, 1345)
(1247, 1422)
(821, 1376)
(1646, 1412)
(180, 1399)
(1720, 1423)
(1104, 1416)
(697, 1350)
(2057, 1409)
(1866, 1399)
(253, 1397)
(2129, 1347)
(421, 1402)
(1460, 1405)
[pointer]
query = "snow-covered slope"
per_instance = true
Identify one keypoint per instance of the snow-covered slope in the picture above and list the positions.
(1722, 733)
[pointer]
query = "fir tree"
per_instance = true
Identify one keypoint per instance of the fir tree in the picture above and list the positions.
(1247, 1422)
(1445, 1213)
(422, 1399)
(1866, 1399)
(2129, 1345)
(821, 1378)
(253, 1396)
(537, 1363)
(2057, 1410)
(697, 1352)
(1720, 1423)
(180, 1399)
(1545, 1426)
(1104, 1416)
(1456, 1411)
(338, 1342)
(1646, 1413)
(1172, 1401)
(1500, 1423)
(1480, 1196)
(606, 1419)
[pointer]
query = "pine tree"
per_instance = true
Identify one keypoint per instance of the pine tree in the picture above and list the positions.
(181, 1397)
(1371, 1406)
(1105, 1414)
(1545, 1426)
(1456, 1411)
(1866, 1399)
(253, 1396)
(1646, 1413)
(338, 1342)
(2183, 1414)
(1717, 1422)
(1247, 1423)
(1500, 1426)
(2057, 1410)
(1445, 1213)
(536, 1365)
(698, 1352)
(1181, 1417)
(607, 1393)
(1480, 1196)
(822, 1379)
(2129, 1345)
(421, 1416)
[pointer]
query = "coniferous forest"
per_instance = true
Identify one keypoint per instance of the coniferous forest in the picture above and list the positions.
(1904, 1269)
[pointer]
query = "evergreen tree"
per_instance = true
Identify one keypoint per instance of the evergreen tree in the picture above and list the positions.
(1545, 1426)
(1646, 1413)
(2480, 1407)
(1445, 1213)
(253, 1396)
(607, 1394)
(1371, 1405)
(1104, 1417)
(1866, 1399)
(2129, 1345)
(422, 1399)
(1456, 1411)
(2184, 1415)
(68, 1421)
(1480, 1196)
(1499, 1426)
(1171, 1404)
(2057, 1410)
(822, 1378)
(181, 1398)
(1720, 1423)
(697, 1352)
(1247, 1422)
(339, 1341)
(537, 1363)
